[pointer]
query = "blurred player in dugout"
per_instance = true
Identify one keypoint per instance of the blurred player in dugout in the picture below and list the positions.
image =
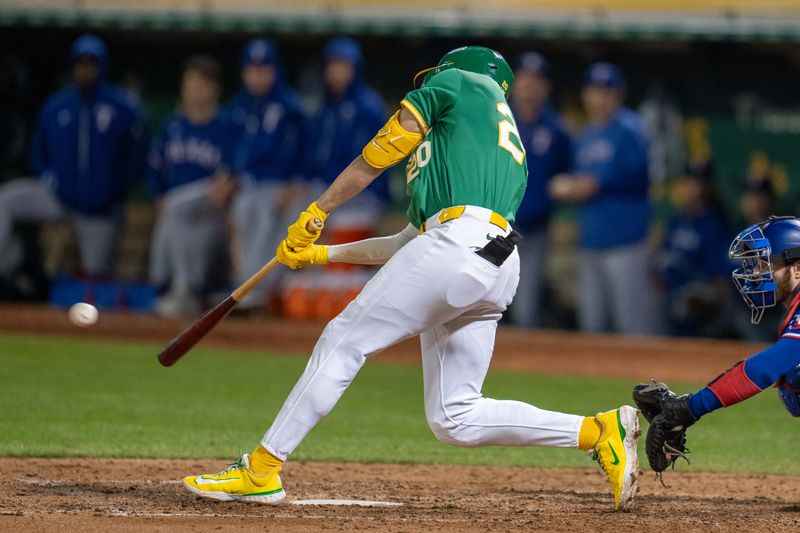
(351, 114)
(88, 146)
(693, 261)
(548, 148)
(189, 246)
(609, 182)
(269, 135)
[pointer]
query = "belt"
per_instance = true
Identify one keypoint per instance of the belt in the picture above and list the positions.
(452, 213)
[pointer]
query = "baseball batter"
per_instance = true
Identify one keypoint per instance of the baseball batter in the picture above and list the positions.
(447, 277)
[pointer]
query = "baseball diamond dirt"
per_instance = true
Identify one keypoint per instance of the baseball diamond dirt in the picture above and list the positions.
(121, 495)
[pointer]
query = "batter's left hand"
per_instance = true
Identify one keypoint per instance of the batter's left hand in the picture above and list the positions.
(299, 235)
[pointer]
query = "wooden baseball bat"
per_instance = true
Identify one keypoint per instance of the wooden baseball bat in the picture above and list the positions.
(198, 329)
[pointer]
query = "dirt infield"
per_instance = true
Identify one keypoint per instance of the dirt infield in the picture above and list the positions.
(122, 495)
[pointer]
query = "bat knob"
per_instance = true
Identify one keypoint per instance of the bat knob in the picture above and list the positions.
(315, 225)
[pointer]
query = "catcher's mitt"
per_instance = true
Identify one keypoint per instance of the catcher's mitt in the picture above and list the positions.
(669, 416)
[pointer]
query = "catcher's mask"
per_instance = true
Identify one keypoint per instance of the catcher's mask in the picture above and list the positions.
(761, 249)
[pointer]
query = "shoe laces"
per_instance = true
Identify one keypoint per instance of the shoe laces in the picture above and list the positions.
(596, 457)
(236, 465)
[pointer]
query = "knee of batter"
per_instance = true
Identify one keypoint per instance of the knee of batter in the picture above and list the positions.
(449, 428)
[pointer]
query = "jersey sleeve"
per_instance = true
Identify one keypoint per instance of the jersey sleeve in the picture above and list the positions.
(435, 99)
(792, 329)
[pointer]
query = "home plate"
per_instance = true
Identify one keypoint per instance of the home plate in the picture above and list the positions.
(362, 503)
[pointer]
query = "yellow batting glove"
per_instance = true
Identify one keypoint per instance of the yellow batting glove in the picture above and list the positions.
(314, 254)
(298, 234)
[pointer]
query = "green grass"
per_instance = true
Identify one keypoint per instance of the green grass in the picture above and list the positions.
(67, 397)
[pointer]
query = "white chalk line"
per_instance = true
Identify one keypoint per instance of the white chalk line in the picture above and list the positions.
(358, 503)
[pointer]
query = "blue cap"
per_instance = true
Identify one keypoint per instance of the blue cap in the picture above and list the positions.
(342, 48)
(605, 75)
(533, 62)
(260, 52)
(91, 46)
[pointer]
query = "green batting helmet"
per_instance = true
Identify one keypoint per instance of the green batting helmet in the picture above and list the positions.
(476, 59)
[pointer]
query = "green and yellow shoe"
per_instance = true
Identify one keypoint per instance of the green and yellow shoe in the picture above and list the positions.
(239, 483)
(616, 452)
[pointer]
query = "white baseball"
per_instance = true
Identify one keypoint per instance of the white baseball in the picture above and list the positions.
(83, 314)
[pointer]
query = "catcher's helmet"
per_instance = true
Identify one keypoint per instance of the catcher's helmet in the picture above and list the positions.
(761, 249)
(476, 59)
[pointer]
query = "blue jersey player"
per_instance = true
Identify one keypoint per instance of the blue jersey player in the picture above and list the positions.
(350, 115)
(768, 255)
(192, 187)
(268, 136)
(548, 150)
(610, 183)
(87, 149)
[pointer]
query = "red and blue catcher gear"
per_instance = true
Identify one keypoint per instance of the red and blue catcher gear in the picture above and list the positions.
(789, 391)
(762, 249)
(777, 365)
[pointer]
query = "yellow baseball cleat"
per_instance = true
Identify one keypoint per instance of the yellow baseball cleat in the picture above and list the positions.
(616, 452)
(239, 483)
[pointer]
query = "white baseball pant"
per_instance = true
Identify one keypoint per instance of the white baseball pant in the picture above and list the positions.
(438, 288)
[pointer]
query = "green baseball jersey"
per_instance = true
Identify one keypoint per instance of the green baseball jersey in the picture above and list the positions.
(471, 153)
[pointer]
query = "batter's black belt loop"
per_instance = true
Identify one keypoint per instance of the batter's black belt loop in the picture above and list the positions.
(498, 249)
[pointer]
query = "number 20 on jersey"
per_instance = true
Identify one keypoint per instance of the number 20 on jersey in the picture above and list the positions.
(505, 129)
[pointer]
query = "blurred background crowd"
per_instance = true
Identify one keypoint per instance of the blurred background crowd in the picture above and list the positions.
(156, 170)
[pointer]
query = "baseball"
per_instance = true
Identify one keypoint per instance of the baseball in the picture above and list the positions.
(83, 314)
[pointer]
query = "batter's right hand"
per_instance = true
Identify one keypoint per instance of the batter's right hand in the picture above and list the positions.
(314, 254)
(301, 234)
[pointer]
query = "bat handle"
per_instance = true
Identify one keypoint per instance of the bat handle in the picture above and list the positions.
(315, 225)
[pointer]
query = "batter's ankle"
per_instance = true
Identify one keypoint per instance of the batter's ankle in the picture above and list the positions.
(262, 462)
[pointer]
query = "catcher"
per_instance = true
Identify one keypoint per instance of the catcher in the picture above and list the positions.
(769, 275)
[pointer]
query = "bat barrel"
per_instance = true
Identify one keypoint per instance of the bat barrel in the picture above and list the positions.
(184, 342)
